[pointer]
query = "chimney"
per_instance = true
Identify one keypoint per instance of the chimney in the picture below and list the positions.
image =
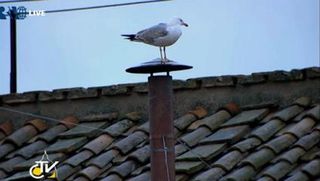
(161, 137)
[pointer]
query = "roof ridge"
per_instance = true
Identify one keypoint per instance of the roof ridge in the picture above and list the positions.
(141, 87)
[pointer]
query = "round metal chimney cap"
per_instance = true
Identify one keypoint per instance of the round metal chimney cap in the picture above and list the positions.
(156, 66)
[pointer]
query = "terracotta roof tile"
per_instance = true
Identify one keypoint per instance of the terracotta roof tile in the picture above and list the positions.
(69, 121)
(79, 158)
(52, 133)
(311, 154)
(133, 116)
(259, 158)
(280, 143)
(184, 121)
(266, 131)
(6, 128)
(8, 165)
(30, 150)
(65, 171)
(309, 140)
(5, 149)
(232, 108)
(181, 177)
(314, 112)
(145, 127)
(288, 113)
(278, 170)
(88, 129)
(180, 149)
(303, 101)
(291, 155)
(288, 126)
(90, 172)
(124, 169)
(301, 128)
(142, 155)
(127, 144)
(247, 145)
(299, 176)
(189, 166)
(81, 178)
(104, 171)
(67, 145)
(39, 124)
(212, 174)
(266, 178)
(22, 135)
(312, 168)
(103, 159)
(244, 173)
(99, 143)
(20, 176)
(247, 117)
(268, 117)
(199, 112)
(194, 137)
(142, 177)
(113, 177)
(205, 152)
(119, 127)
(140, 170)
(214, 121)
(230, 134)
(229, 160)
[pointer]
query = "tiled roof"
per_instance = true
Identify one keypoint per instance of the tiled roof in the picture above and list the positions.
(265, 141)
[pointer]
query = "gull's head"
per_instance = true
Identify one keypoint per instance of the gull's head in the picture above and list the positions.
(178, 21)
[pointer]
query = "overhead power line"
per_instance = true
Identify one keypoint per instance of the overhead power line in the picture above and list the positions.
(104, 6)
(90, 7)
(19, 1)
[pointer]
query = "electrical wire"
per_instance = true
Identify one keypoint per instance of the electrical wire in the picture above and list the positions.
(46, 118)
(91, 7)
(104, 6)
(165, 149)
(19, 1)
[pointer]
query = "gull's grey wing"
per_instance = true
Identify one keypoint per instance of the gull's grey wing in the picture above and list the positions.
(150, 34)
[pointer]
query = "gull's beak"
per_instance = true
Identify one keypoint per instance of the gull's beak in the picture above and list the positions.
(185, 24)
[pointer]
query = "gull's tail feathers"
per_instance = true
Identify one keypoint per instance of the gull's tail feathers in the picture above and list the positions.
(131, 37)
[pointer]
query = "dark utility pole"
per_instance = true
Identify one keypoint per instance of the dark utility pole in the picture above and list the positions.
(161, 136)
(13, 45)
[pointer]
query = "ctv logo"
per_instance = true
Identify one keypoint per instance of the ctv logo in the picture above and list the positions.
(44, 168)
(21, 12)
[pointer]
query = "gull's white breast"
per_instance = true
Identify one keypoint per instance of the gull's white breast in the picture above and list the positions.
(174, 32)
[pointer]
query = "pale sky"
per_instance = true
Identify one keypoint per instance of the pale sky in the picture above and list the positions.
(224, 37)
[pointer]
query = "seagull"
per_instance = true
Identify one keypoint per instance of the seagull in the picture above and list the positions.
(161, 35)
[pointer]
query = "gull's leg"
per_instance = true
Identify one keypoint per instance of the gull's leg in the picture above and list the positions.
(161, 55)
(165, 55)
